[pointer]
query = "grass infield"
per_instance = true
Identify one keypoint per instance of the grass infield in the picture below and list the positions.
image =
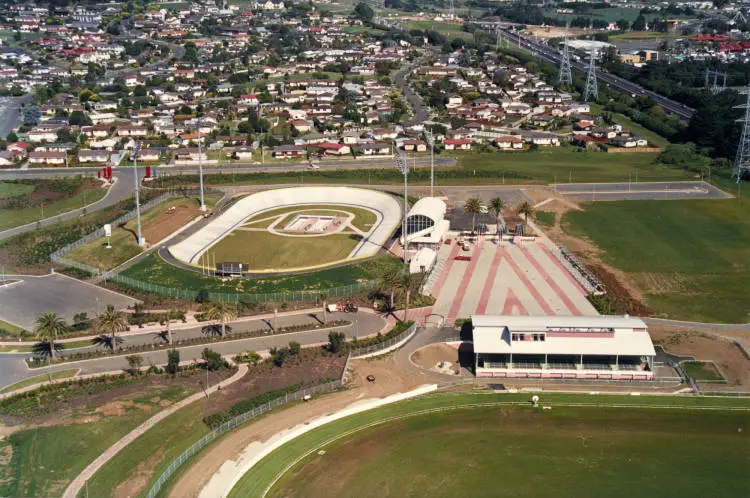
(590, 444)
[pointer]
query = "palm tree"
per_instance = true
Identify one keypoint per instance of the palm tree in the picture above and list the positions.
(496, 205)
(474, 206)
(388, 277)
(525, 209)
(112, 322)
(48, 327)
(221, 311)
(171, 314)
(405, 283)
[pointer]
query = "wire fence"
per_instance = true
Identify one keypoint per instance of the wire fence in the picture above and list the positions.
(381, 346)
(59, 255)
(238, 420)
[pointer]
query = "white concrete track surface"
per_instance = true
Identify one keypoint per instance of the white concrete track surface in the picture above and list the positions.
(385, 207)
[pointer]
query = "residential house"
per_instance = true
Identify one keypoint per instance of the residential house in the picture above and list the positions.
(189, 154)
(93, 156)
(149, 155)
(243, 153)
(414, 145)
(288, 151)
(332, 149)
(457, 144)
(509, 142)
(48, 157)
(376, 148)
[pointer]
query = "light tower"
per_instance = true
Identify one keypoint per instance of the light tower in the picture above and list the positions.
(452, 11)
(592, 91)
(136, 151)
(403, 166)
(499, 37)
(431, 141)
(200, 166)
(566, 76)
(742, 159)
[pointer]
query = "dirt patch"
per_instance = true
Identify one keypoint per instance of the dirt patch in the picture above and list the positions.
(120, 408)
(140, 476)
(705, 346)
(430, 356)
(167, 222)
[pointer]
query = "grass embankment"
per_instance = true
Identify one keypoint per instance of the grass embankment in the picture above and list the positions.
(524, 440)
(45, 459)
(10, 331)
(690, 258)
(155, 222)
(30, 381)
(265, 250)
(10, 218)
(152, 269)
(702, 371)
(8, 189)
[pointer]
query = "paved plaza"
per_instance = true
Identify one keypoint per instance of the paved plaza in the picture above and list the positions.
(505, 278)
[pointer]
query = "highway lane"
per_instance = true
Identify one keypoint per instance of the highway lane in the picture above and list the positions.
(549, 54)
(13, 368)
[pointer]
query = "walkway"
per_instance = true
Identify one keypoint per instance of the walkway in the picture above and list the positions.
(79, 482)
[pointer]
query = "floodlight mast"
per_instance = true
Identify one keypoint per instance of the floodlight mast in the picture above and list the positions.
(200, 166)
(403, 166)
(136, 151)
(431, 140)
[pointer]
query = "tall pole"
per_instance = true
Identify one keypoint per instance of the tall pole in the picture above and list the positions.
(403, 166)
(136, 151)
(431, 140)
(200, 165)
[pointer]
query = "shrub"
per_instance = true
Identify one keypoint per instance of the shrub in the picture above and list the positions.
(213, 360)
(294, 348)
(173, 361)
(335, 341)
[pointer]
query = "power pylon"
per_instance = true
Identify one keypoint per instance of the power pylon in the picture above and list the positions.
(566, 76)
(452, 11)
(716, 86)
(742, 159)
(499, 37)
(592, 90)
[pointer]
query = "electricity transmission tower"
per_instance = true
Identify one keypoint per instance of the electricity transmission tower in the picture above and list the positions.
(742, 159)
(452, 11)
(715, 86)
(739, 18)
(592, 91)
(566, 76)
(499, 35)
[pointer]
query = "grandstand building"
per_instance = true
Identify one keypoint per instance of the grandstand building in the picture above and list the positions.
(426, 224)
(562, 347)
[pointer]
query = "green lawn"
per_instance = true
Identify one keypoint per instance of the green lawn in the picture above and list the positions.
(9, 331)
(152, 269)
(699, 370)
(578, 447)
(28, 346)
(265, 250)
(45, 459)
(10, 218)
(544, 218)
(14, 189)
(691, 258)
(444, 28)
(30, 381)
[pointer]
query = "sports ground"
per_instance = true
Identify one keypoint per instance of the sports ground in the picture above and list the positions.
(296, 228)
(499, 445)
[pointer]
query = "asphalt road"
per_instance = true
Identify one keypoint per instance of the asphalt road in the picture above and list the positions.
(10, 113)
(414, 100)
(13, 368)
(640, 191)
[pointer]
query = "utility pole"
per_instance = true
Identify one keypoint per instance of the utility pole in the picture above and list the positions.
(200, 165)
(403, 166)
(431, 141)
(136, 151)
(566, 75)
(592, 91)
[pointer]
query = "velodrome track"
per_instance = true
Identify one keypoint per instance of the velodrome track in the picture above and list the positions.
(385, 206)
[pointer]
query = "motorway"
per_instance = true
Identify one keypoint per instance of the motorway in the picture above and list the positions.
(13, 367)
(545, 52)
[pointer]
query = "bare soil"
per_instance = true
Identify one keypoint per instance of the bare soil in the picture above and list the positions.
(429, 356)
(390, 378)
(169, 221)
(705, 345)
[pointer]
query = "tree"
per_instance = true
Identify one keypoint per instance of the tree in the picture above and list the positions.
(526, 210)
(221, 312)
(473, 205)
(172, 314)
(336, 341)
(49, 327)
(387, 276)
(173, 361)
(496, 206)
(112, 322)
(639, 24)
(405, 284)
(134, 362)
(213, 360)
(279, 355)
(11, 137)
(364, 12)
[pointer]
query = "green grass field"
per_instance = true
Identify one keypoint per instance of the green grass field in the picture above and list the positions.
(265, 250)
(45, 459)
(446, 29)
(152, 269)
(14, 189)
(691, 258)
(9, 329)
(363, 218)
(592, 446)
(30, 381)
(699, 370)
(28, 346)
(10, 218)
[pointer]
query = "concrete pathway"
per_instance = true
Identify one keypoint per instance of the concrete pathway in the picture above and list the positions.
(80, 481)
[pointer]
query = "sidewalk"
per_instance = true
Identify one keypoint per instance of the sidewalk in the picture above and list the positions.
(80, 481)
